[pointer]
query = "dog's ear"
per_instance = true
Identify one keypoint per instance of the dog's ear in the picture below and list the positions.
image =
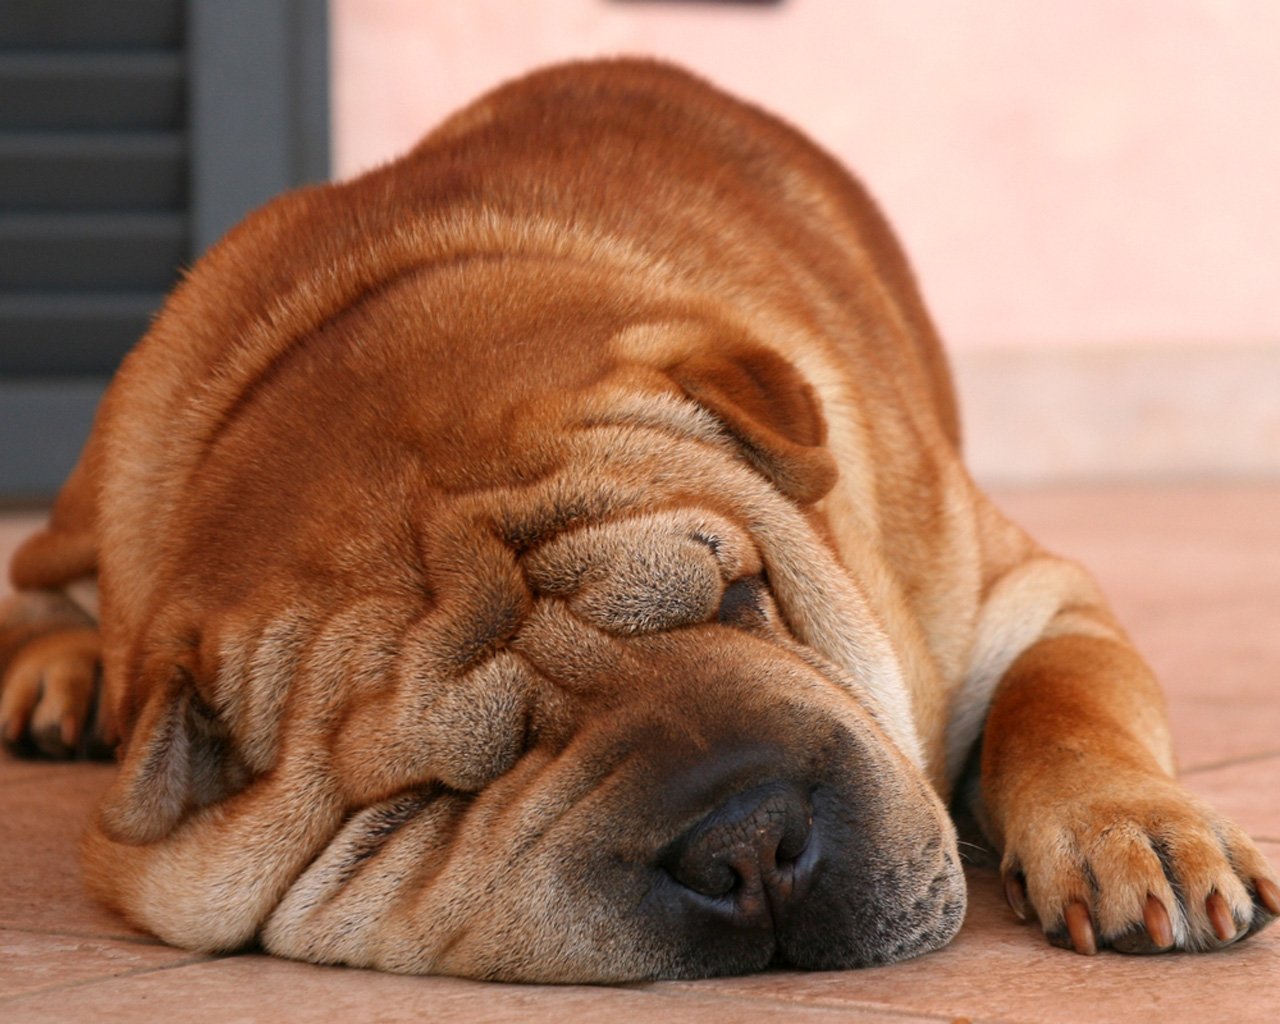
(178, 758)
(771, 411)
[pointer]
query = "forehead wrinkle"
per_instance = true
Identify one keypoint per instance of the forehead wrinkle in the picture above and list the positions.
(628, 463)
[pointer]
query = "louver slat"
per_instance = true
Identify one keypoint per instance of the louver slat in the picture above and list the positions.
(47, 171)
(91, 90)
(76, 335)
(82, 24)
(72, 251)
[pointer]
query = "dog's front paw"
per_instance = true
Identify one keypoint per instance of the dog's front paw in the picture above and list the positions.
(50, 655)
(1138, 866)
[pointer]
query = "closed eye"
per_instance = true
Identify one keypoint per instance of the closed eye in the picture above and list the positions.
(743, 602)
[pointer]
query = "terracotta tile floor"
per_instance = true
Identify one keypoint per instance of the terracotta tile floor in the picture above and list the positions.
(1194, 572)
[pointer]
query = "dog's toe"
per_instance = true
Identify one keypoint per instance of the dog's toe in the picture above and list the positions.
(1266, 904)
(1154, 934)
(1075, 930)
(1166, 873)
(47, 703)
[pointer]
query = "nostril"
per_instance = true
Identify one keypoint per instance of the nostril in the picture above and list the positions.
(747, 849)
(795, 840)
(706, 876)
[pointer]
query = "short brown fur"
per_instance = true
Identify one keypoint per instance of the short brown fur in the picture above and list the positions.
(471, 535)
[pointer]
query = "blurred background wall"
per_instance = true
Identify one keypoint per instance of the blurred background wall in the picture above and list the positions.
(1089, 190)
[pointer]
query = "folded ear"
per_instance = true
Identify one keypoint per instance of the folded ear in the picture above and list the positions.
(770, 409)
(177, 759)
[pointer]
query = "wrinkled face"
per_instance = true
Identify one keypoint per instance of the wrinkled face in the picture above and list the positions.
(632, 720)
(640, 773)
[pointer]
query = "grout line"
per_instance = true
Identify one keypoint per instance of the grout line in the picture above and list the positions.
(66, 986)
(847, 1009)
(137, 940)
(17, 771)
(841, 1006)
(1229, 762)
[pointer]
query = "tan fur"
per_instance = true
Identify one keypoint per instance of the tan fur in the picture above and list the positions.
(499, 551)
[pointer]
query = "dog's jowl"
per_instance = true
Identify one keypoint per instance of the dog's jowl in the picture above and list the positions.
(548, 557)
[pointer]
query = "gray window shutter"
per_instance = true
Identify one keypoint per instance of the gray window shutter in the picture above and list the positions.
(132, 134)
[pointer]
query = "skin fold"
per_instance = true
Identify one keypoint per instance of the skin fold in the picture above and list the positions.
(548, 557)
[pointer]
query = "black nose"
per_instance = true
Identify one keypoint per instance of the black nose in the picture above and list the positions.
(751, 858)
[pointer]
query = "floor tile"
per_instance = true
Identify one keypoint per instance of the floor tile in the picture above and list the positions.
(253, 988)
(32, 962)
(1248, 792)
(1194, 574)
(41, 821)
(13, 769)
(1219, 663)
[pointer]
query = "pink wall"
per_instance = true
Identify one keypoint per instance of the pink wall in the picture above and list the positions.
(1063, 173)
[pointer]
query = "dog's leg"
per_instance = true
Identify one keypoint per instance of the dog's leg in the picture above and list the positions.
(1097, 837)
(50, 650)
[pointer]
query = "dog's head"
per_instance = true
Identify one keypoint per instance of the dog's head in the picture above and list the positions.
(636, 721)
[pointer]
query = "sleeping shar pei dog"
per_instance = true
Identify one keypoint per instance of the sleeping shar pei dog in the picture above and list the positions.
(548, 557)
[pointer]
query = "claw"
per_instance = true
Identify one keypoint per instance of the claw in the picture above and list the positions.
(1016, 893)
(1224, 925)
(1159, 927)
(1268, 894)
(1080, 928)
(1154, 935)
